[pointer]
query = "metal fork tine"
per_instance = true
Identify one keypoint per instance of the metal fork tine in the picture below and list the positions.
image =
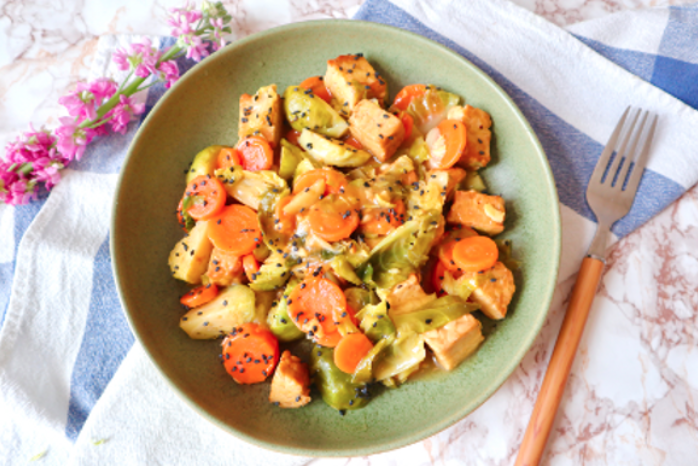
(620, 153)
(607, 151)
(635, 176)
(631, 156)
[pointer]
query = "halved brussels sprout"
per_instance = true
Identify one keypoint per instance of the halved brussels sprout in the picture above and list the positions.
(278, 320)
(204, 163)
(400, 359)
(291, 156)
(434, 315)
(375, 322)
(431, 108)
(250, 187)
(304, 110)
(336, 387)
(401, 252)
(332, 152)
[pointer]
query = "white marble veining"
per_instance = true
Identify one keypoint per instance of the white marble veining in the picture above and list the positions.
(632, 395)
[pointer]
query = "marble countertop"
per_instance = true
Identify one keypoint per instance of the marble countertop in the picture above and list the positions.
(636, 373)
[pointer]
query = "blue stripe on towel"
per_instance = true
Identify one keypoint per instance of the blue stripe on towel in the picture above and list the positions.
(681, 34)
(678, 78)
(105, 343)
(23, 216)
(571, 153)
(638, 63)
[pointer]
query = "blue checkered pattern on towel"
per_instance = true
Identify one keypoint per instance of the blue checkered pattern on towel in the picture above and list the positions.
(674, 68)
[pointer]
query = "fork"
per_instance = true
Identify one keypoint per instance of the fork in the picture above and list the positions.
(610, 195)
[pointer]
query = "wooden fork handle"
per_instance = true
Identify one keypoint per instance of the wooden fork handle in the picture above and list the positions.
(553, 387)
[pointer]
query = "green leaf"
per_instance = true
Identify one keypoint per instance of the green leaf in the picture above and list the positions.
(400, 253)
(434, 315)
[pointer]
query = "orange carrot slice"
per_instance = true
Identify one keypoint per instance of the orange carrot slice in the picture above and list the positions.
(250, 353)
(235, 230)
(475, 253)
(317, 85)
(256, 153)
(406, 94)
(408, 123)
(384, 221)
(199, 295)
(205, 197)
(333, 220)
(251, 266)
(447, 146)
(445, 249)
(228, 157)
(312, 306)
(350, 351)
(335, 182)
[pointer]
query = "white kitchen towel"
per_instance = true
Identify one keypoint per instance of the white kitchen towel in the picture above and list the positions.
(74, 386)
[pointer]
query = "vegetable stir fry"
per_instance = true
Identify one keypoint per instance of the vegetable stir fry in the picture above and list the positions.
(341, 220)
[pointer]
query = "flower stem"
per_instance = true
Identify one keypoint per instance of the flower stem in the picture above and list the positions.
(129, 90)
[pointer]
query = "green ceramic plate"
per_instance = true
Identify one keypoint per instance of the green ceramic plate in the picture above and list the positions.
(200, 110)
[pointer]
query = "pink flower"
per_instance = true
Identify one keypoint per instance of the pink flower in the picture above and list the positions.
(47, 170)
(123, 112)
(15, 189)
(142, 58)
(120, 57)
(29, 146)
(101, 130)
(84, 101)
(80, 103)
(103, 89)
(72, 140)
(218, 41)
(168, 72)
(182, 19)
(196, 47)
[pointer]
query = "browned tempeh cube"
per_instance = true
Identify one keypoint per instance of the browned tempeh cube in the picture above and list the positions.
(290, 386)
(262, 114)
(477, 125)
(482, 212)
(380, 132)
(351, 78)
(455, 341)
(495, 292)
